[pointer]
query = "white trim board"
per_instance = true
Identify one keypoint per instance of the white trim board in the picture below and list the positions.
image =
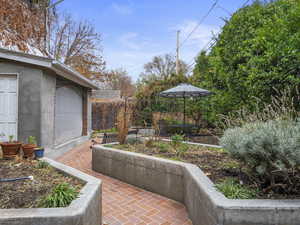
(16, 75)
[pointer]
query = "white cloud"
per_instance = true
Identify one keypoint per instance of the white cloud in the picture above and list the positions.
(132, 50)
(135, 41)
(132, 61)
(200, 37)
(123, 9)
(130, 40)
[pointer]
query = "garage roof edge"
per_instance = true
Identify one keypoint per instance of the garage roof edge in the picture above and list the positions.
(49, 63)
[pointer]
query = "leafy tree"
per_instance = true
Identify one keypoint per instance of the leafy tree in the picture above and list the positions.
(256, 53)
(158, 75)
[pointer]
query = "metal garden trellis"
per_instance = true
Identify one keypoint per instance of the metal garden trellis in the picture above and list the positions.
(184, 91)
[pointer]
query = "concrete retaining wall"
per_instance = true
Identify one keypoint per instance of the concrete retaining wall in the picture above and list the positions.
(186, 183)
(85, 210)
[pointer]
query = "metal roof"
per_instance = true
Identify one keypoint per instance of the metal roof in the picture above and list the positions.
(48, 63)
(185, 90)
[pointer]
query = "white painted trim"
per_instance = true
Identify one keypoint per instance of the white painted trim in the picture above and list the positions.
(17, 75)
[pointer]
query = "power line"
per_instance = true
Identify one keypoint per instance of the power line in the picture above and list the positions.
(200, 22)
(246, 2)
(191, 63)
(224, 9)
(206, 47)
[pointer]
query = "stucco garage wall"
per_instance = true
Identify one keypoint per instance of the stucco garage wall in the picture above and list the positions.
(68, 111)
(47, 109)
(29, 107)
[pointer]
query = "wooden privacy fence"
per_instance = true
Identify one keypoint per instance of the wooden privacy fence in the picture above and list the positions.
(104, 113)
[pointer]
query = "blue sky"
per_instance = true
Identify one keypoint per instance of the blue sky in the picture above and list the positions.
(134, 31)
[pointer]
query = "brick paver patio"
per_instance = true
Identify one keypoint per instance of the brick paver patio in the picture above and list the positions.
(124, 204)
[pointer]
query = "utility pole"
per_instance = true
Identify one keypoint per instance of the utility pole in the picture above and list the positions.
(47, 25)
(177, 54)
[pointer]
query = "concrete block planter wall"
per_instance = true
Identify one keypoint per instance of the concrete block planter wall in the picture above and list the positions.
(186, 183)
(85, 210)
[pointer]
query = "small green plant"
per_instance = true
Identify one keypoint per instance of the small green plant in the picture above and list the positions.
(162, 147)
(10, 138)
(42, 165)
(182, 149)
(233, 190)
(32, 140)
(178, 145)
(176, 140)
(61, 196)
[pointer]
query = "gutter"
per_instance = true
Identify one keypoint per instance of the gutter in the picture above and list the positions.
(71, 74)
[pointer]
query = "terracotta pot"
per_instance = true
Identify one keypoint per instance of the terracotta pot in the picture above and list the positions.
(10, 149)
(28, 150)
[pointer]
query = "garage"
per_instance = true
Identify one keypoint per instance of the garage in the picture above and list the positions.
(8, 106)
(43, 98)
(68, 112)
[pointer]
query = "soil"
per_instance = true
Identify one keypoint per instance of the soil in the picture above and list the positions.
(216, 163)
(27, 193)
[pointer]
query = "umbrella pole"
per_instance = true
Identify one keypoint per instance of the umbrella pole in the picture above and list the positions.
(184, 114)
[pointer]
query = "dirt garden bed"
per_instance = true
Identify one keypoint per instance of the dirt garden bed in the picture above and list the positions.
(29, 193)
(216, 163)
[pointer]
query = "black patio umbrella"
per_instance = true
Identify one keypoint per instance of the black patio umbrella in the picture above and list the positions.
(183, 91)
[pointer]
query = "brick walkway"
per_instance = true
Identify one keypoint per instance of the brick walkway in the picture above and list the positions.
(124, 204)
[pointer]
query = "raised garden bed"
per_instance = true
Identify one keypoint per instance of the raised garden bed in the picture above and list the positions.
(31, 193)
(187, 183)
(216, 163)
(85, 209)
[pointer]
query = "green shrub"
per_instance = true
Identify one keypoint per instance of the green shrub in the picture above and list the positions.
(61, 196)
(271, 152)
(233, 190)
